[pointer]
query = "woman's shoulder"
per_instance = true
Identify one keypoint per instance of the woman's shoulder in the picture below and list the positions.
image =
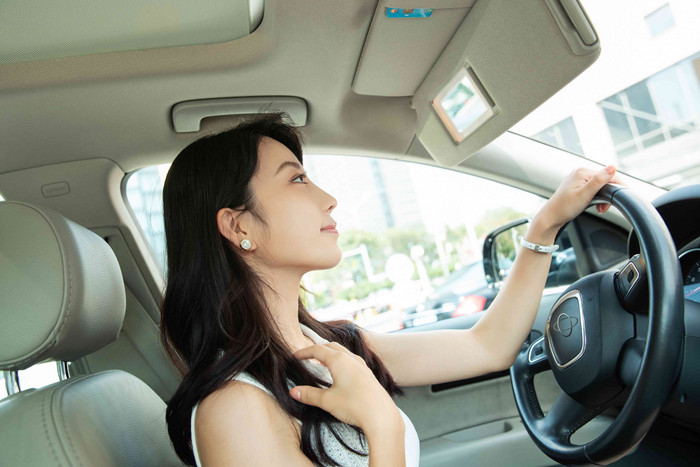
(241, 411)
(241, 385)
(235, 394)
(238, 399)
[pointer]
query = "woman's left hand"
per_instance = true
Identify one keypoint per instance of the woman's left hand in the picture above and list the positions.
(574, 195)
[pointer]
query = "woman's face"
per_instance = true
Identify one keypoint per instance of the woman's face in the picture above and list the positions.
(296, 211)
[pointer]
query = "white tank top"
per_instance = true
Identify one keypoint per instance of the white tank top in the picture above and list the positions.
(333, 447)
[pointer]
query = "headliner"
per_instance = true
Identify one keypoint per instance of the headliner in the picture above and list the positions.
(117, 105)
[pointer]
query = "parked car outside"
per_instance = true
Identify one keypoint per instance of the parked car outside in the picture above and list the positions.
(464, 292)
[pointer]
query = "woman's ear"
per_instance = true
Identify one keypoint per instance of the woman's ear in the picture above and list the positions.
(228, 222)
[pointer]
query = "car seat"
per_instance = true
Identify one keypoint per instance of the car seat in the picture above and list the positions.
(62, 297)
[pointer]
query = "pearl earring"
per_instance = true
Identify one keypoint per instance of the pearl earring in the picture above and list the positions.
(245, 244)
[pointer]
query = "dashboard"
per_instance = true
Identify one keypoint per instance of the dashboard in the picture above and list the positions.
(690, 266)
(680, 210)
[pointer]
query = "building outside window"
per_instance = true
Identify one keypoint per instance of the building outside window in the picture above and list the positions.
(562, 135)
(661, 107)
(638, 105)
(660, 20)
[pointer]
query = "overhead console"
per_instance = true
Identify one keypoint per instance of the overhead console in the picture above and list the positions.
(474, 68)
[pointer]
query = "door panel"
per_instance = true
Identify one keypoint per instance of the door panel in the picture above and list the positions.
(478, 423)
(435, 414)
(504, 442)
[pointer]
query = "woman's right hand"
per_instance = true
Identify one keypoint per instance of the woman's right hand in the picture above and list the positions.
(355, 397)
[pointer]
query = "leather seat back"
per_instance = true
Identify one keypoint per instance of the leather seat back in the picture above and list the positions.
(62, 297)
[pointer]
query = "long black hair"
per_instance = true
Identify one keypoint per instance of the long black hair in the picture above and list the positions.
(214, 320)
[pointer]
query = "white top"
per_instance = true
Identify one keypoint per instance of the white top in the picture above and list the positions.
(333, 447)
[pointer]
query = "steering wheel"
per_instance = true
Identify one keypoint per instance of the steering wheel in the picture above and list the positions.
(607, 345)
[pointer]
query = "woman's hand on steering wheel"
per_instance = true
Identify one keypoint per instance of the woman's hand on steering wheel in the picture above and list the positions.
(574, 195)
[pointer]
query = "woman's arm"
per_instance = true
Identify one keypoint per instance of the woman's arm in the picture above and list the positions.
(431, 357)
(491, 345)
(386, 438)
(507, 322)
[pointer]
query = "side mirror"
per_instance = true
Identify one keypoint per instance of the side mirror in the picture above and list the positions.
(500, 247)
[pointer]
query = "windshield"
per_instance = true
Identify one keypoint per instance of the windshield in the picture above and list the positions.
(638, 105)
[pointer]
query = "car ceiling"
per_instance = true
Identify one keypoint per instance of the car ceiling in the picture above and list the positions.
(117, 105)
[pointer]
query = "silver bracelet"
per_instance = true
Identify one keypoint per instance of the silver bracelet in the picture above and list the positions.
(539, 248)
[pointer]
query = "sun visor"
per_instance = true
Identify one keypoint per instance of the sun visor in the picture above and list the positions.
(505, 59)
(40, 30)
(403, 42)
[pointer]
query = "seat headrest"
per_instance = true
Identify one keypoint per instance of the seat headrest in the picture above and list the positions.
(61, 289)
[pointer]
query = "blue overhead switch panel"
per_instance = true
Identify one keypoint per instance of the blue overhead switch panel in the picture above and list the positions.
(408, 12)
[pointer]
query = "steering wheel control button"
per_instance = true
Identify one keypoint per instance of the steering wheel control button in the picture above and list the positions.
(631, 291)
(565, 330)
(537, 352)
(628, 278)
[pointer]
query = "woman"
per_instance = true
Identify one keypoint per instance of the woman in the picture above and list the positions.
(265, 383)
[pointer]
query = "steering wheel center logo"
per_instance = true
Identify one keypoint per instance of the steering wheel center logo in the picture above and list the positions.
(565, 324)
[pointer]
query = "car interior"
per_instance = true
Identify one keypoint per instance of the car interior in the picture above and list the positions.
(92, 93)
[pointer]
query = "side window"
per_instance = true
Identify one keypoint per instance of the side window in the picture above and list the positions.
(3, 385)
(144, 194)
(37, 376)
(411, 236)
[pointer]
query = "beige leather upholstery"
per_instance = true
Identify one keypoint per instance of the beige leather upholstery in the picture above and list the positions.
(62, 297)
